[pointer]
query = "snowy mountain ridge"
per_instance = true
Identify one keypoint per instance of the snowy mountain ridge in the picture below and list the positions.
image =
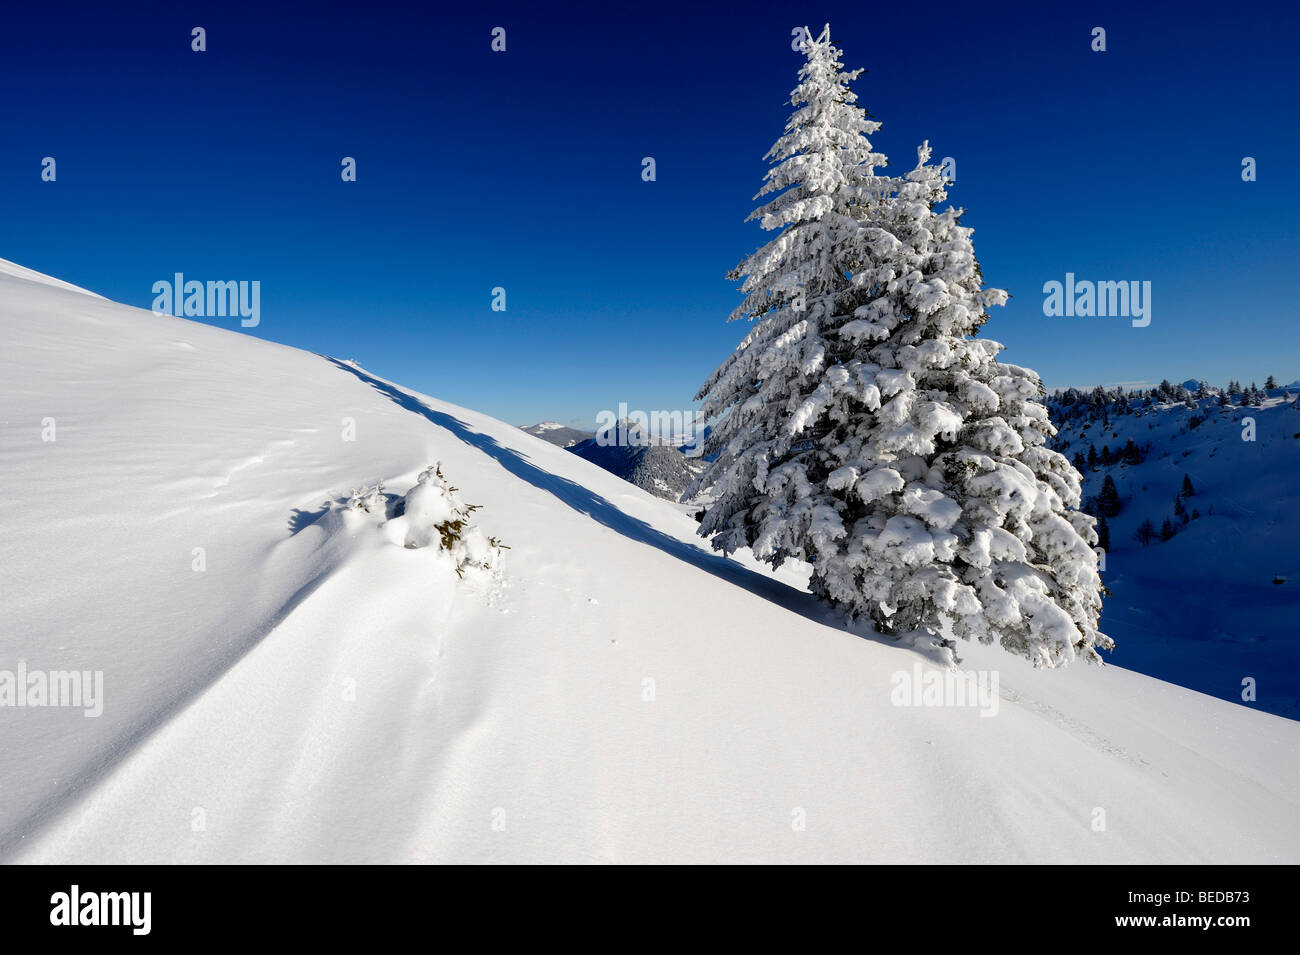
(557, 434)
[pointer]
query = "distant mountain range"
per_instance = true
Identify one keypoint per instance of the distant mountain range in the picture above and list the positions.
(557, 434)
(664, 469)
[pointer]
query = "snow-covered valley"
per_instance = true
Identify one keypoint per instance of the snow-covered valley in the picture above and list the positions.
(1215, 606)
(282, 685)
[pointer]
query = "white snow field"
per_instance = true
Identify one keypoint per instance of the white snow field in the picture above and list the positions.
(319, 693)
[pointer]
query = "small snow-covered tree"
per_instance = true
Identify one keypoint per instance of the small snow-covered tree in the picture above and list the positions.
(1145, 531)
(371, 500)
(434, 512)
(873, 435)
(1108, 500)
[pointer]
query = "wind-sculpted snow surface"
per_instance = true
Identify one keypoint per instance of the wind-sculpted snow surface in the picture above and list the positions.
(283, 684)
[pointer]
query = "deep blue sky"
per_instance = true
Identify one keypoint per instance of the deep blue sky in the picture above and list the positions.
(522, 169)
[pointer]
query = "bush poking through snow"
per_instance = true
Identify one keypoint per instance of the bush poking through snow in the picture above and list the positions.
(371, 500)
(435, 513)
(431, 515)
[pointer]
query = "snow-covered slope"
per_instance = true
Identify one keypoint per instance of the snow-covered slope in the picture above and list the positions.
(322, 694)
(1219, 602)
(13, 270)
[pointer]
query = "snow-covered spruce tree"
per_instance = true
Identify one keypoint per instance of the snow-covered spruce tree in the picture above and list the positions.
(798, 291)
(872, 435)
